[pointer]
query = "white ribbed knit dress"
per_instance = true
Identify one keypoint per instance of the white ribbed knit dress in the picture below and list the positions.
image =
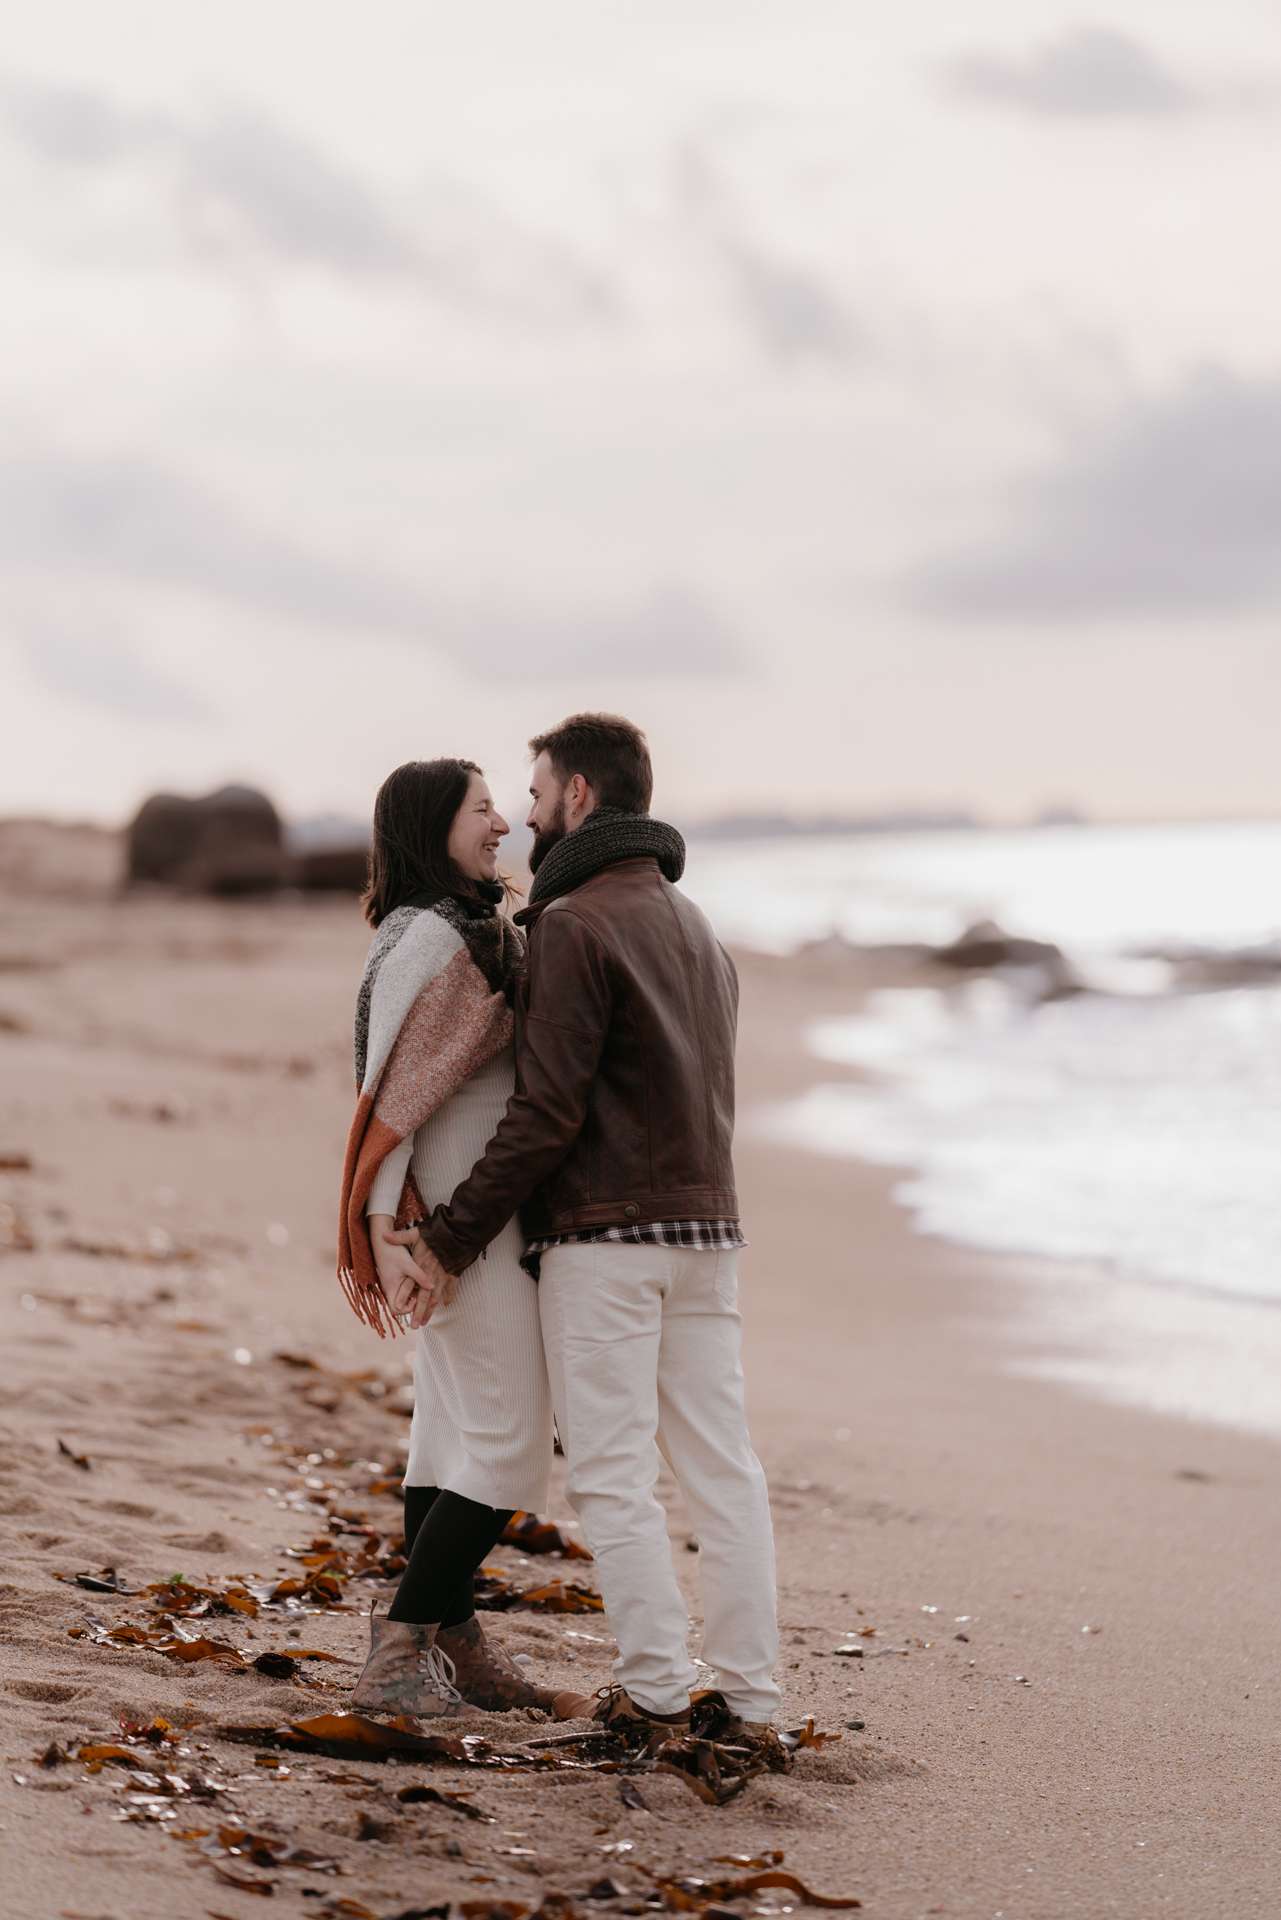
(482, 1407)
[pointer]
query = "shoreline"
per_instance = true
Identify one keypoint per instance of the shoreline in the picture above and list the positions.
(1148, 1340)
(180, 1068)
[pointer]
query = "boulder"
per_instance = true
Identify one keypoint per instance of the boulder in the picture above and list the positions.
(162, 837)
(332, 870)
(329, 853)
(226, 842)
(1038, 966)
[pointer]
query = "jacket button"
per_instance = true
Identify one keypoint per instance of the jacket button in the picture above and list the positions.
(630, 1213)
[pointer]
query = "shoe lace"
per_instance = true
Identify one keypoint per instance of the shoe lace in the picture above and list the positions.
(440, 1670)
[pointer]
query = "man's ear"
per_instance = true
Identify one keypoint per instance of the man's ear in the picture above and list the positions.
(579, 798)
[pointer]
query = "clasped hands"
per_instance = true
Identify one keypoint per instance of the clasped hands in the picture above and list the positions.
(411, 1278)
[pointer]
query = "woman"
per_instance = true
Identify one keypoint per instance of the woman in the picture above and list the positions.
(435, 1069)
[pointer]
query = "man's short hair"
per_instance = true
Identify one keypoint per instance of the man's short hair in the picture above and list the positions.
(609, 752)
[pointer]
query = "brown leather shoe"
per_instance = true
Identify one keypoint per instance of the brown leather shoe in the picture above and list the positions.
(620, 1713)
(574, 1706)
(485, 1676)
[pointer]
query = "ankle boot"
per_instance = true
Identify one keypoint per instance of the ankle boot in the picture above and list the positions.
(406, 1672)
(490, 1679)
(485, 1676)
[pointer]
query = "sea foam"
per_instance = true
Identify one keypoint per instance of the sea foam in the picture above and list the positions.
(1124, 1141)
(1142, 1133)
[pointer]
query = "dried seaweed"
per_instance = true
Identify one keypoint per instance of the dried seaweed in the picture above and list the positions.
(155, 1787)
(806, 1736)
(184, 1597)
(247, 1883)
(695, 1896)
(382, 1556)
(353, 1736)
(107, 1754)
(413, 1796)
(673, 1895)
(716, 1759)
(276, 1666)
(607, 1888)
(178, 1596)
(201, 1648)
(323, 1588)
(167, 1637)
(106, 1580)
(532, 1535)
(496, 1593)
(715, 1774)
(264, 1850)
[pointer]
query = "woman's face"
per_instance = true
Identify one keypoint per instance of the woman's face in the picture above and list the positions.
(477, 829)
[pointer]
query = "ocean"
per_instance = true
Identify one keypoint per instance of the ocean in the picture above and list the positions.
(1124, 1141)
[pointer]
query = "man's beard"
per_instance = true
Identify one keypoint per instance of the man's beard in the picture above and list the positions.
(545, 838)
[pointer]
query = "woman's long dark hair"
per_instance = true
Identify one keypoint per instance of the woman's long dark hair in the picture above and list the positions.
(409, 854)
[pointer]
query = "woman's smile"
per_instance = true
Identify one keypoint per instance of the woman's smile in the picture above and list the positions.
(477, 829)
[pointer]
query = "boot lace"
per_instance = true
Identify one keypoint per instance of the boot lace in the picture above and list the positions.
(440, 1670)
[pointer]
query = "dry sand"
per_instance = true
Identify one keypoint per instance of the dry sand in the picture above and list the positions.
(178, 1074)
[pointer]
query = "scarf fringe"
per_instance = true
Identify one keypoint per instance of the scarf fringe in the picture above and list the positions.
(369, 1305)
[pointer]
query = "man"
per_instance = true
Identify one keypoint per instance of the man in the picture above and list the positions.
(616, 1149)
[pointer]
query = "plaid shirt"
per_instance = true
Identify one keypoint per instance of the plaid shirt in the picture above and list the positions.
(695, 1236)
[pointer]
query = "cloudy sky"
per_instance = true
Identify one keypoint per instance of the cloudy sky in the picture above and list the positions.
(882, 405)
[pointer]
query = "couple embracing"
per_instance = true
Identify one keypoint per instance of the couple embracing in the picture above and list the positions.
(539, 1181)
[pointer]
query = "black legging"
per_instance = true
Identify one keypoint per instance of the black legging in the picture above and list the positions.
(446, 1539)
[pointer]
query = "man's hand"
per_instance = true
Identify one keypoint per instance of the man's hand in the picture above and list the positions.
(408, 1289)
(443, 1284)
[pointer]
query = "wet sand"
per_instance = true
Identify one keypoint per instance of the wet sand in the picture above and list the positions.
(178, 1075)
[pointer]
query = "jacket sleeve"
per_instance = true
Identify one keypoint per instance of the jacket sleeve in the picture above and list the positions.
(570, 1006)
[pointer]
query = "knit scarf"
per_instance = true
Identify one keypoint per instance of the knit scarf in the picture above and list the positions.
(435, 1005)
(607, 835)
(494, 945)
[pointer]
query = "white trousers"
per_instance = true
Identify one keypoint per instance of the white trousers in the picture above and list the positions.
(642, 1348)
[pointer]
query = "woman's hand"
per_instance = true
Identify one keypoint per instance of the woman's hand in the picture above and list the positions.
(407, 1288)
(444, 1284)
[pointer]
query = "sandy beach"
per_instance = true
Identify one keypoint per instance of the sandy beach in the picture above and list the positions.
(1066, 1609)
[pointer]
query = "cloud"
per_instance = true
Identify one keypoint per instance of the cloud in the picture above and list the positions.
(1174, 507)
(122, 518)
(669, 631)
(238, 186)
(126, 518)
(1090, 72)
(79, 653)
(792, 314)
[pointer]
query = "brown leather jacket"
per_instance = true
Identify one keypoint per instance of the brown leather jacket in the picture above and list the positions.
(624, 1104)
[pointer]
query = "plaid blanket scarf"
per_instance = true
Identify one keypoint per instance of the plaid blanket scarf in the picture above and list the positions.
(434, 1006)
